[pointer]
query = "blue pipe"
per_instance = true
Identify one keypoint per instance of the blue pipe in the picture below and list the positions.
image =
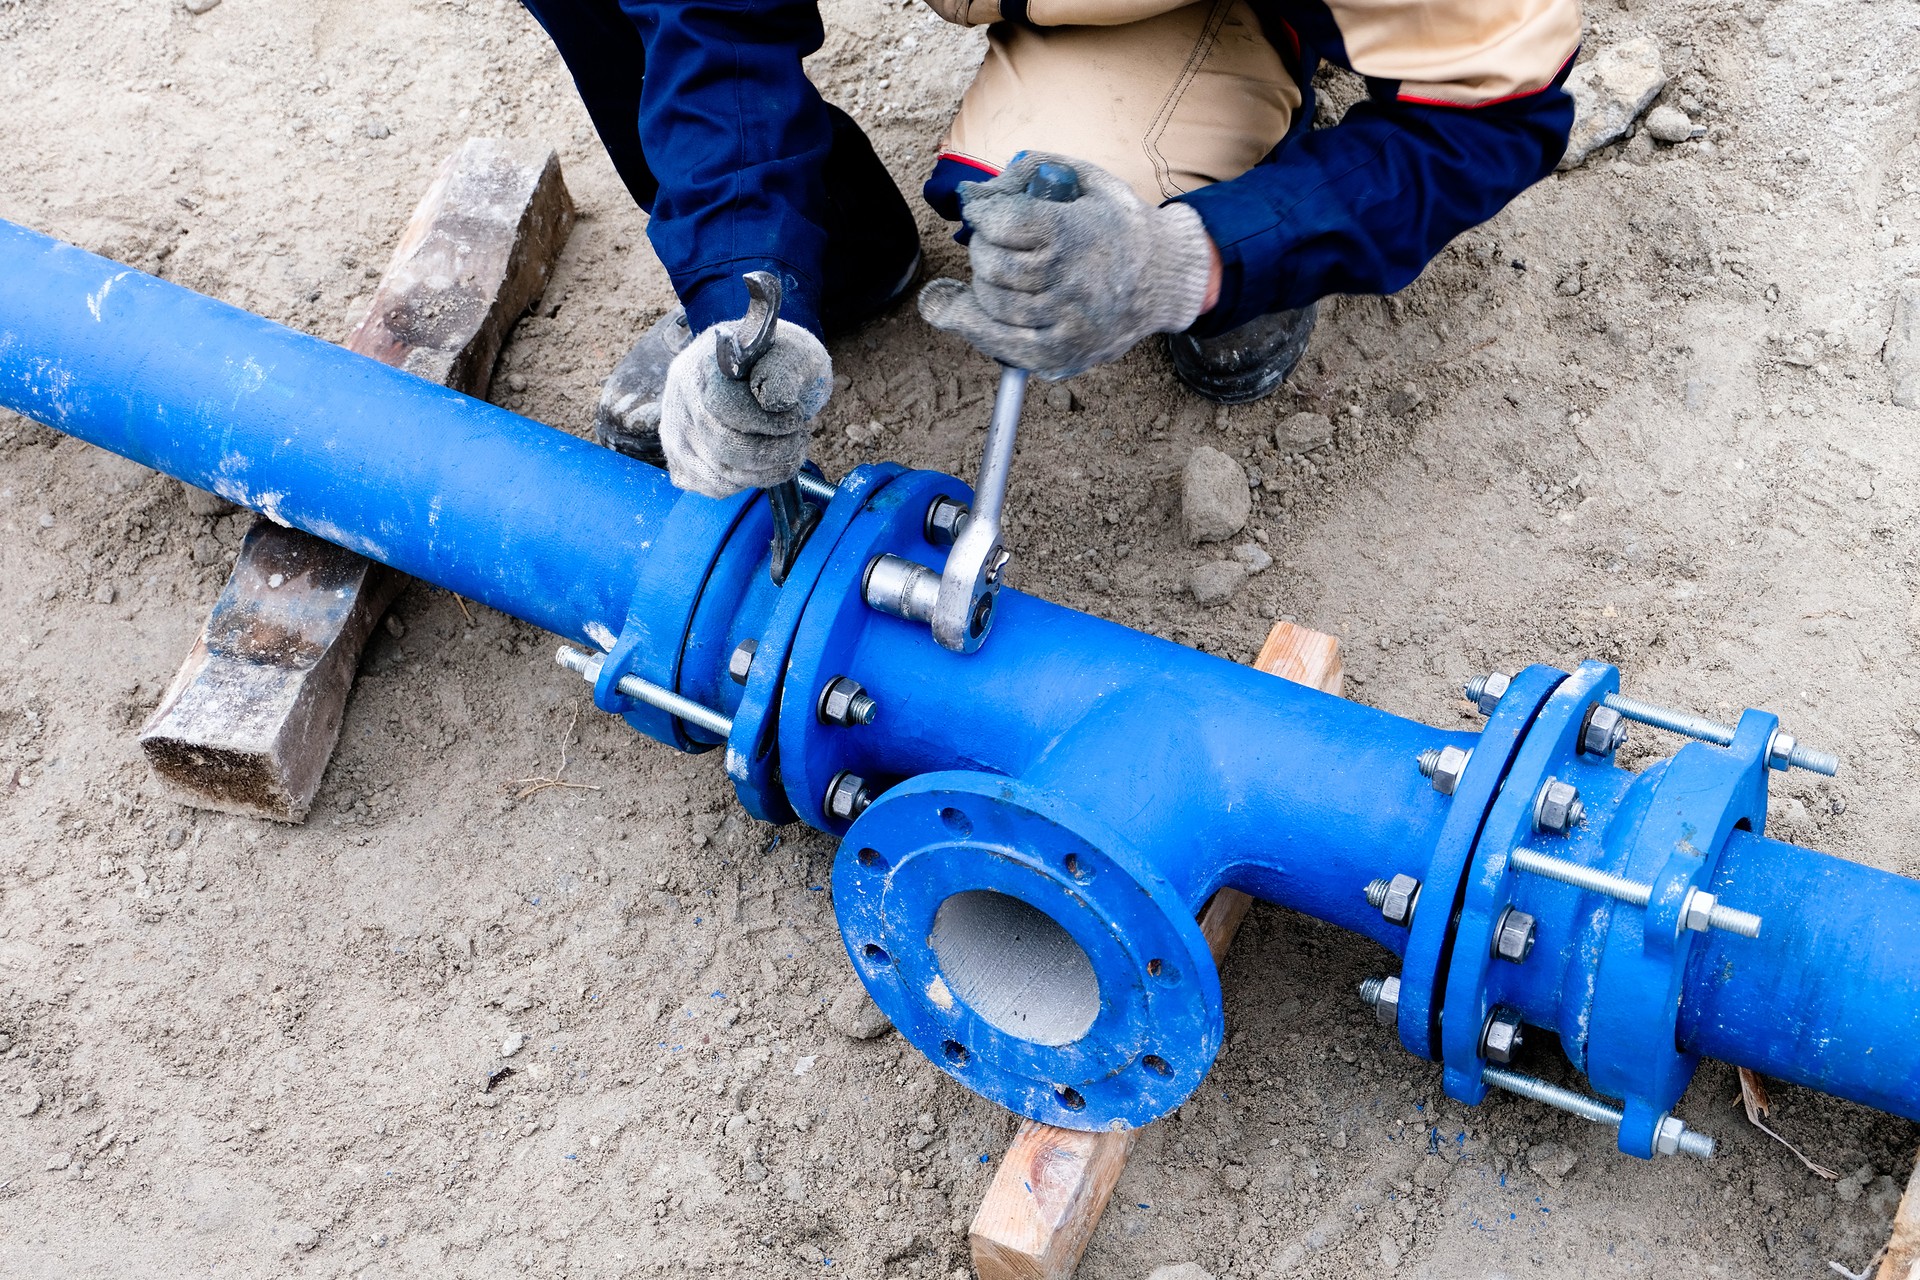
(529, 520)
(1035, 824)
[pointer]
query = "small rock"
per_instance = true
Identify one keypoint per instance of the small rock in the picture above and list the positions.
(103, 594)
(1389, 1252)
(926, 1123)
(753, 1173)
(198, 7)
(1302, 432)
(6, 1042)
(26, 1102)
(516, 382)
(1214, 500)
(395, 628)
(202, 503)
(1214, 583)
(854, 1014)
(513, 1044)
(1609, 92)
(1901, 355)
(793, 1186)
(376, 129)
(1060, 396)
(175, 837)
(1669, 125)
(304, 1239)
(1551, 1161)
(1180, 1271)
(1252, 555)
(64, 1159)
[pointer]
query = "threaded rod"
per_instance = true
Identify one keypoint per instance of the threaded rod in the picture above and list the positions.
(1684, 723)
(1824, 763)
(1728, 920)
(1592, 879)
(1553, 1095)
(1377, 891)
(1429, 763)
(1370, 989)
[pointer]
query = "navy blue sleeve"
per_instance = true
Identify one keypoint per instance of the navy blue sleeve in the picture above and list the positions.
(737, 137)
(1362, 207)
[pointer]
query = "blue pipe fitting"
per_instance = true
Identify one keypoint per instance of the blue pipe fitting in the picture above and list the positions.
(1036, 824)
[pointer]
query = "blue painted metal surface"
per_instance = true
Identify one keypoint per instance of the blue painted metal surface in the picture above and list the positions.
(1053, 809)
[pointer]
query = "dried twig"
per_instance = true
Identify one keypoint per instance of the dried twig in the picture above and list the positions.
(462, 602)
(1863, 1272)
(1753, 1096)
(533, 786)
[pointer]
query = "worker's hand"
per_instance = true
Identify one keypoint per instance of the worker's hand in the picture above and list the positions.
(722, 436)
(1059, 288)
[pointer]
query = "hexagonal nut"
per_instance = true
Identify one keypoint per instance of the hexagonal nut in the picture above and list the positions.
(1501, 1040)
(1603, 732)
(1486, 691)
(740, 662)
(946, 518)
(1387, 1008)
(844, 702)
(1447, 773)
(1780, 749)
(847, 796)
(1513, 936)
(1696, 910)
(1557, 807)
(1403, 894)
(1667, 1134)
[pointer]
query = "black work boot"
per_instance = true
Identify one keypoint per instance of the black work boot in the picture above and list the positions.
(628, 419)
(1243, 364)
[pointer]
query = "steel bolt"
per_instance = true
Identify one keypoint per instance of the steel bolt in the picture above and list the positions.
(740, 663)
(1396, 898)
(847, 796)
(1605, 729)
(1671, 1135)
(1557, 807)
(1500, 1040)
(945, 519)
(1513, 935)
(844, 702)
(1444, 765)
(1486, 691)
(1384, 995)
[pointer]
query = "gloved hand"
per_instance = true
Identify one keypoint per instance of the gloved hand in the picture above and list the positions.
(722, 436)
(1059, 288)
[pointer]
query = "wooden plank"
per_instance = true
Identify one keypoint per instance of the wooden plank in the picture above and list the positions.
(252, 717)
(1052, 1185)
(1901, 1261)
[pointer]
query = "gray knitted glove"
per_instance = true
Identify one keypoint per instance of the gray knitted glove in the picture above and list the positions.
(1059, 288)
(722, 436)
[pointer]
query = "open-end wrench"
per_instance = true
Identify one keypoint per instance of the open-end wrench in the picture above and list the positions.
(963, 611)
(737, 349)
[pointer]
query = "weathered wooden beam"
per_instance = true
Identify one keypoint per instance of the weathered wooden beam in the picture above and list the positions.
(251, 719)
(1901, 1261)
(1052, 1185)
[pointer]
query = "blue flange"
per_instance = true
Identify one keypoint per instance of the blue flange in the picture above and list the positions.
(1423, 969)
(1054, 968)
(751, 762)
(1476, 981)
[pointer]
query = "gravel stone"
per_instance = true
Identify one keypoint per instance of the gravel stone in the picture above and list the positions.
(64, 1159)
(1215, 582)
(1252, 555)
(1214, 501)
(198, 7)
(1609, 91)
(513, 1044)
(854, 1014)
(1180, 1271)
(1901, 355)
(1669, 125)
(1302, 431)
(1552, 1162)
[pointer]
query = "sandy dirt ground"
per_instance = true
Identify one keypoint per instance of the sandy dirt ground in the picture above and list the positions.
(1641, 417)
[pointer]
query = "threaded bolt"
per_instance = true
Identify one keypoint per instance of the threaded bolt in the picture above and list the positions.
(1486, 691)
(1384, 995)
(1370, 987)
(1376, 894)
(1429, 761)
